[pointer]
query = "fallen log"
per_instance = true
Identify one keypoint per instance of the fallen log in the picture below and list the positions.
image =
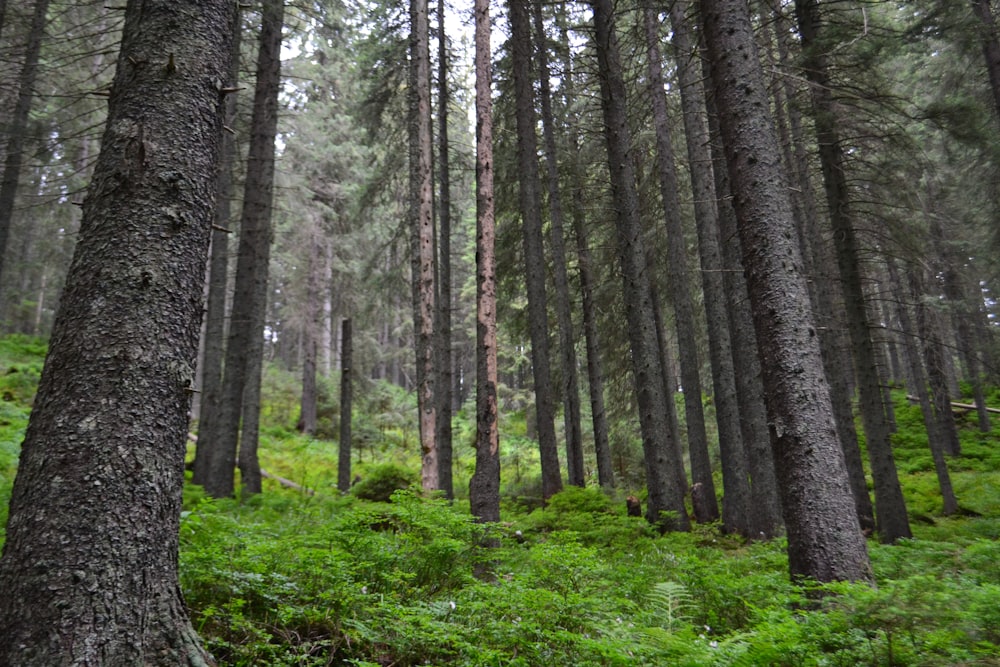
(956, 406)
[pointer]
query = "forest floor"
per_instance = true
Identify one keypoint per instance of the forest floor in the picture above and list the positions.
(308, 579)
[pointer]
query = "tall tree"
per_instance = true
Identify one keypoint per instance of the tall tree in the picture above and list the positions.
(990, 41)
(534, 256)
(346, 396)
(89, 568)
(444, 387)
(17, 128)
(564, 314)
(824, 538)
(890, 507)
(421, 217)
(735, 480)
(244, 347)
(661, 454)
(484, 487)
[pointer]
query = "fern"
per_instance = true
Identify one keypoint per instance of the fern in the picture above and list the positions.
(670, 601)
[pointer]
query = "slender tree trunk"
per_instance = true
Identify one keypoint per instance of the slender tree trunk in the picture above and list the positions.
(534, 255)
(734, 474)
(246, 325)
(991, 47)
(218, 278)
(890, 507)
(444, 337)
(824, 539)
(346, 410)
(484, 487)
(89, 569)
(564, 316)
(17, 130)
(595, 372)
(310, 341)
(422, 238)
(662, 464)
(919, 387)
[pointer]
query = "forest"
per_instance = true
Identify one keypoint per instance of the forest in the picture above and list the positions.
(349, 332)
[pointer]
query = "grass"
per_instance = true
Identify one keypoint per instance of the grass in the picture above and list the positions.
(287, 578)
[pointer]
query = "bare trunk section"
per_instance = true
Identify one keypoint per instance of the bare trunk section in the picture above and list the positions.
(666, 499)
(484, 487)
(422, 238)
(534, 255)
(246, 323)
(346, 414)
(991, 47)
(824, 539)
(89, 570)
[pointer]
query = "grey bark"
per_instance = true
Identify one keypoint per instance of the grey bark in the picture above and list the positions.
(990, 42)
(564, 316)
(214, 334)
(310, 342)
(445, 390)
(824, 539)
(534, 257)
(660, 453)
(17, 129)
(246, 324)
(346, 414)
(89, 570)
(734, 474)
(421, 216)
(890, 507)
(484, 487)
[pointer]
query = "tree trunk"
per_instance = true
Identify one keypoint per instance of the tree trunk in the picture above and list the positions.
(346, 415)
(534, 255)
(665, 495)
(734, 474)
(484, 487)
(919, 387)
(17, 130)
(89, 570)
(422, 238)
(595, 372)
(890, 507)
(824, 539)
(444, 360)
(246, 322)
(564, 315)
(991, 47)
(310, 340)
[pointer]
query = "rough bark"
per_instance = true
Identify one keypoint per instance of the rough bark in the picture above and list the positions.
(89, 570)
(445, 390)
(890, 507)
(214, 333)
(824, 539)
(422, 238)
(310, 341)
(484, 487)
(564, 316)
(534, 256)
(246, 322)
(346, 414)
(734, 475)
(991, 47)
(662, 464)
(17, 129)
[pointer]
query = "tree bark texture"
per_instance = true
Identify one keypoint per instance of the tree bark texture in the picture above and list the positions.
(824, 539)
(484, 487)
(564, 313)
(89, 570)
(734, 477)
(346, 409)
(17, 129)
(990, 40)
(534, 254)
(422, 238)
(246, 322)
(890, 507)
(445, 389)
(310, 340)
(660, 452)
(218, 279)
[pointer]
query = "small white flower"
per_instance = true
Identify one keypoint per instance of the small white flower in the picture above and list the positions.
(452, 603)
(713, 644)
(708, 629)
(364, 590)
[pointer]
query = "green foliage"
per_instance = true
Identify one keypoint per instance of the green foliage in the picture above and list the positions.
(382, 481)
